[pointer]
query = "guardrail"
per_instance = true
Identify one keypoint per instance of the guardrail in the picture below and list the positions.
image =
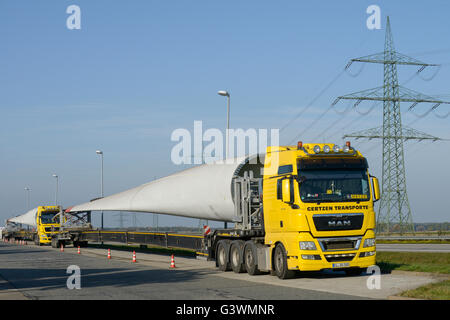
(153, 238)
(416, 238)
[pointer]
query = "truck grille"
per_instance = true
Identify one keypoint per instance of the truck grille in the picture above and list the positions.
(341, 221)
(49, 229)
(339, 243)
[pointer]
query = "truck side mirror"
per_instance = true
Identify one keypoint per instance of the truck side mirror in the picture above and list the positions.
(286, 190)
(376, 189)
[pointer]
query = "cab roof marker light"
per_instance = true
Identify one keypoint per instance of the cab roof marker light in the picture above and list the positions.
(336, 148)
(346, 148)
(316, 149)
(326, 149)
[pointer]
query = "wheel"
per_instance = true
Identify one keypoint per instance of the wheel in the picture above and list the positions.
(236, 256)
(280, 263)
(222, 256)
(251, 259)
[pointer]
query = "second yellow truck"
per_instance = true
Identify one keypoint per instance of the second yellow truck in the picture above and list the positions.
(38, 225)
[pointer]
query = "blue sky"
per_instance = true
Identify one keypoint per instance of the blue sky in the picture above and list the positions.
(137, 70)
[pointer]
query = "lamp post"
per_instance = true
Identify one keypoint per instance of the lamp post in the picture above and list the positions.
(99, 152)
(226, 94)
(56, 192)
(27, 189)
(28, 197)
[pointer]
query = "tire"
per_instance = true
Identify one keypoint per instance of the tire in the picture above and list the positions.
(36, 240)
(222, 258)
(251, 259)
(236, 256)
(280, 263)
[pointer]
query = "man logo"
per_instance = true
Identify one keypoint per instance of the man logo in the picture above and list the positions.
(339, 223)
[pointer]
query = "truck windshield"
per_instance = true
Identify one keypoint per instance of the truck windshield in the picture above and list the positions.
(47, 217)
(333, 185)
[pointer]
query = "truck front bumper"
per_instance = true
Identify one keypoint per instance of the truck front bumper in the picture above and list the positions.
(45, 239)
(333, 253)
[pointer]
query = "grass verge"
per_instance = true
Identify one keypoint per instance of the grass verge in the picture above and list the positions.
(434, 262)
(433, 291)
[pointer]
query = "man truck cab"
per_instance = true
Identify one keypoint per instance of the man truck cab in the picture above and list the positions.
(47, 223)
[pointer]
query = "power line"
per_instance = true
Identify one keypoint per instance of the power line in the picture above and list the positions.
(345, 112)
(312, 101)
(441, 117)
(311, 124)
(438, 68)
(340, 113)
(320, 94)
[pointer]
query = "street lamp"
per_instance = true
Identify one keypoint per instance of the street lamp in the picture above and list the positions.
(226, 94)
(99, 152)
(56, 193)
(28, 197)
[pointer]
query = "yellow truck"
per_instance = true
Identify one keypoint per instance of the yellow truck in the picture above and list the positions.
(47, 224)
(38, 225)
(313, 211)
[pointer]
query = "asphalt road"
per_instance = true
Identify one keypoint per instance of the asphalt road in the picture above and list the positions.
(30, 272)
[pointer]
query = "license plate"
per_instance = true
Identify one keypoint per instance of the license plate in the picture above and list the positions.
(341, 265)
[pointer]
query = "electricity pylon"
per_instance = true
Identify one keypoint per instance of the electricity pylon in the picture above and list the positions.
(394, 211)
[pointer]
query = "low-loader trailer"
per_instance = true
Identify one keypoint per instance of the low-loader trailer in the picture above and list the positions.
(298, 208)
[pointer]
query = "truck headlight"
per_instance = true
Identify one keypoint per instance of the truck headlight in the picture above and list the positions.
(369, 242)
(311, 257)
(307, 245)
(366, 254)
